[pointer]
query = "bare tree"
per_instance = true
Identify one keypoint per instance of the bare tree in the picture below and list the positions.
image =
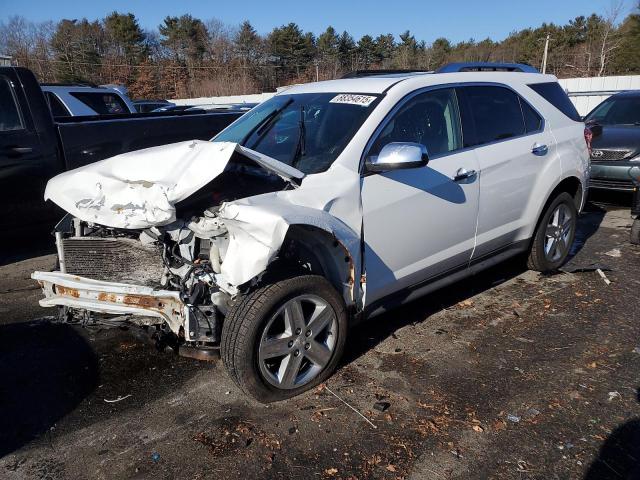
(609, 39)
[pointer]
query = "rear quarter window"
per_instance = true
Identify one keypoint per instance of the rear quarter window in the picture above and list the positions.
(106, 103)
(553, 93)
(56, 106)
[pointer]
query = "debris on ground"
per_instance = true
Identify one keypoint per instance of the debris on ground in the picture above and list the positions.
(603, 276)
(381, 406)
(615, 253)
(614, 395)
(513, 418)
(155, 457)
(352, 408)
(116, 400)
(591, 267)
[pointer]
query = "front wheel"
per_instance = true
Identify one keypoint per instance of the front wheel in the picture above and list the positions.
(554, 235)
(284, 338)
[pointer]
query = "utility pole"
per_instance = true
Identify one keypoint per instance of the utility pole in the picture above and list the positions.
(546, 52)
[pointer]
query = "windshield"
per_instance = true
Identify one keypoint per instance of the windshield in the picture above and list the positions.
(617, 111)
(307, 131)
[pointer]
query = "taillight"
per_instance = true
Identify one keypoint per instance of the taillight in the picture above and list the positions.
(588, 136)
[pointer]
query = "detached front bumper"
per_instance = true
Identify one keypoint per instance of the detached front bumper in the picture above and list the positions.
(63, 289)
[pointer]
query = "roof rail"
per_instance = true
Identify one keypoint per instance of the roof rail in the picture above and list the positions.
(486, 67)
(72, 84)
(371, 73)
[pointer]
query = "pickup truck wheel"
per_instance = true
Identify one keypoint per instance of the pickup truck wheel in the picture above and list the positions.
(635, 232)
(284, 338)
(554, 235)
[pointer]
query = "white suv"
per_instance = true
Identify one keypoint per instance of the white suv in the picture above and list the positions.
(327, 204)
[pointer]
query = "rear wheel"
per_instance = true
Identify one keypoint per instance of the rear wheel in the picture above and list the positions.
(554, 235)
(284, 338)
(635, 232)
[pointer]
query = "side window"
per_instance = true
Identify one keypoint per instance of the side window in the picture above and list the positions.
(9, 114)
(495, 112)
(553, 93)
(56, 106)
(102, 103)
(431, 119)
(532, 121)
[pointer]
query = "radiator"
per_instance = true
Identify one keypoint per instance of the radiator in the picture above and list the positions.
(113, 259)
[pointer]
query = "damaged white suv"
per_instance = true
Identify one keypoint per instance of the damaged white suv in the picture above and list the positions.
(331, 202)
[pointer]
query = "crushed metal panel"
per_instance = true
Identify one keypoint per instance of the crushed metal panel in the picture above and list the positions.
(258, 225)
(139, 189)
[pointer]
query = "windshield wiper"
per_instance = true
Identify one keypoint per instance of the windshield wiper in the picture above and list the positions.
(302, 139)
(262, 127)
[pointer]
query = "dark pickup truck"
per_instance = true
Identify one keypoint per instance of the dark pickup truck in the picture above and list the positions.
(35, 147)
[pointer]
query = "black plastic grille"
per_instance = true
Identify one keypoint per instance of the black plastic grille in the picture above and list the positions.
(609, 155)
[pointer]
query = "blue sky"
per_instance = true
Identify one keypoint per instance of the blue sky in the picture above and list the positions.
(427, 19)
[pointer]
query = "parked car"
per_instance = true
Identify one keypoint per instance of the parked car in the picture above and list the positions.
(145, 106)
(244, 106)
(328, 204)
(615, 146)
(79, 100)
(175, 108)
(34, 147)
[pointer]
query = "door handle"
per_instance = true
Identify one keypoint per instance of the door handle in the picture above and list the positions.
(539, 150)
(20, 150)
(463, 174)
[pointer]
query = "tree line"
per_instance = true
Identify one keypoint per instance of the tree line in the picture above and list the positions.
(188, 57)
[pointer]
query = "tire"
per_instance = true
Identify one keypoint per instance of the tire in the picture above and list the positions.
(260, 337)
(635, 232)
(548, 260)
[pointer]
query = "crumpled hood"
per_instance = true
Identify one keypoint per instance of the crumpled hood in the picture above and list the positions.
(139, 189)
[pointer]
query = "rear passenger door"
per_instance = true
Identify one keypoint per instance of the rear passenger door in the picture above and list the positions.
(513, 150)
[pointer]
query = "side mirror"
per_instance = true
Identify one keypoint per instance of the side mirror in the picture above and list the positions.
(397, 155)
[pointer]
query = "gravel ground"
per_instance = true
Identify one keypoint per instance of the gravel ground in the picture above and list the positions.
(508, 375)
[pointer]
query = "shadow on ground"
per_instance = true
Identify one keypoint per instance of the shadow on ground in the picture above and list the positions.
(372, 332)
(46, 370)
(33, 243)
(619, 457)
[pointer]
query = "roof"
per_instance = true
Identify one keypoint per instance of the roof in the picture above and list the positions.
(628, 93)
(376, 84)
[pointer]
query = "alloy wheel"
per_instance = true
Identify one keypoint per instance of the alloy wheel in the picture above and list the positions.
(298, 342)
(558, 232)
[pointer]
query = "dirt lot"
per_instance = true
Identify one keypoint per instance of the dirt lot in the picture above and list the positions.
(509, 375)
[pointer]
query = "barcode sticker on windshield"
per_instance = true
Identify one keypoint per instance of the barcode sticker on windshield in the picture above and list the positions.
(351, 99)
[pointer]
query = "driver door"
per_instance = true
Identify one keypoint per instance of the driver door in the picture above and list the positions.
(420, 222)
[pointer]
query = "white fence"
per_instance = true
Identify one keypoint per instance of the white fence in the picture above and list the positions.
(586, 93)
(210, 101)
